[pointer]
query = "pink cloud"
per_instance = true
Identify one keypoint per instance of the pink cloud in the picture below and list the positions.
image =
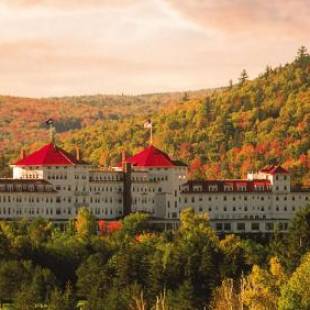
(66, 4)
(289, 17)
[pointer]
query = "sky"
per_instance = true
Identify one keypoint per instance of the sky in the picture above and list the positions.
(77, 47)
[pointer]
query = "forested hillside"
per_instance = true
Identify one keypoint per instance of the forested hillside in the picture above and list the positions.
(226, 133)
(222, 133)
(22, 119)
(134, 267)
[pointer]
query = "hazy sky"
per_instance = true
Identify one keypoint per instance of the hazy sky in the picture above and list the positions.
(71, 47)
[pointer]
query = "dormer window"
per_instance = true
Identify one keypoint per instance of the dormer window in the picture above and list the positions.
(185, 188)
(213, 188)
(241, 188)
(197, 188)
(228, 188)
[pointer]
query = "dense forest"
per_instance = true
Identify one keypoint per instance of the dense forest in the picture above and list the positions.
(22, 119)
(227, 133)
(219, 133)
(134, 267)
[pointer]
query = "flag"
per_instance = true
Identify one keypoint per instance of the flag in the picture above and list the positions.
(148, 124)
(49, 122)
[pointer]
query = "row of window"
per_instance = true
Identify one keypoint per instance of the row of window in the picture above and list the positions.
(51, 211)
(25, 187)
(215, 188)
(254, 226)
(193, 199)
(245, 208)
(105, 178)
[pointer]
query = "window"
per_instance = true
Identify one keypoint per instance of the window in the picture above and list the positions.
(227, 226)
(269, 226)
(240, 226)
(255, 226)
(219, 226)
(213, 188)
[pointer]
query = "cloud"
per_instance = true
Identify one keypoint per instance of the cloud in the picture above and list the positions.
(66, 4)
(263, 17)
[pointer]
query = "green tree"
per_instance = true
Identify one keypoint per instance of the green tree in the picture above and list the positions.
(13, 275)
(62, 300)
(26, 299)
(295, 293)
(86, 224)
(134, 224)
(298, 238)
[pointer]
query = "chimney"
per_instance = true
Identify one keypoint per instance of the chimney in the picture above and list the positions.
(22, 153)
(77, 152)
(123, 158)
(127, 198)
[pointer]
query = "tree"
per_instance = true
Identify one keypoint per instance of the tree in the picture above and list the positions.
(298, 238)
(64, 301)
(295, 293)
(243, 77)
(182, 298)
(302, 55)
(12, 276)
(86, 224)
(262, 287)
(227, 296)
(134, 224)
(25, 299)
(234, 259)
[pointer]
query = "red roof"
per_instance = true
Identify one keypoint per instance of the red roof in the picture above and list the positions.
(49, 155)
(274, 170)
(151, 157)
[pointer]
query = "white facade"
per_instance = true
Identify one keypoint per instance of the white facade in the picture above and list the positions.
(261, 203)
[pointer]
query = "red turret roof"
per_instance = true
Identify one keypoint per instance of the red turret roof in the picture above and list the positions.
(151, 157)
(274, 170)
(49, 155)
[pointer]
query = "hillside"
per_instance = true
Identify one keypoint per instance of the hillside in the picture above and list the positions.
(222, 133)
(22, 119)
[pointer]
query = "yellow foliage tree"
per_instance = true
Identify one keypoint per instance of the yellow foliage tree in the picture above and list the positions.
(262, 287)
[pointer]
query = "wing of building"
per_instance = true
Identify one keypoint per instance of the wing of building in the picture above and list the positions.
(54, 184)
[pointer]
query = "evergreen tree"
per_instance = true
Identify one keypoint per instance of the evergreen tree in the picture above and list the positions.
(243, 77)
